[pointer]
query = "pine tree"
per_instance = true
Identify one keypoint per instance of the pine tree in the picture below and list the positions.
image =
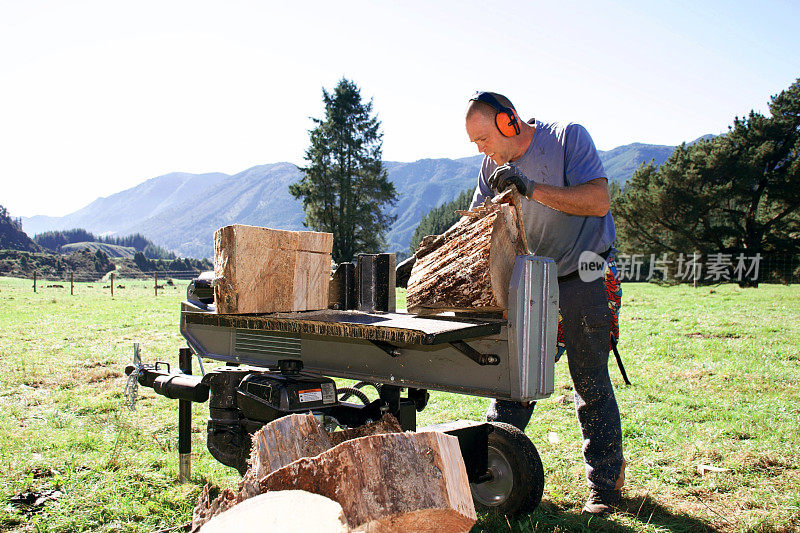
(344, 187)
(736, 193)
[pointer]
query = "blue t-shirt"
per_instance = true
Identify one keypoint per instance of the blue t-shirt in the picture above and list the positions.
(563, 156)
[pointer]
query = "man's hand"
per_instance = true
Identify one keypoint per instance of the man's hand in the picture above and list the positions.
(506, 175)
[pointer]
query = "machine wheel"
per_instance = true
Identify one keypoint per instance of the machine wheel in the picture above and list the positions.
(517, 481)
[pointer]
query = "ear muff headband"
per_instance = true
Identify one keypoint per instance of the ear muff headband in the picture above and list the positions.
(506, 119)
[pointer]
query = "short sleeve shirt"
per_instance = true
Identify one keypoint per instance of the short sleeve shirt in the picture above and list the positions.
(562, 155)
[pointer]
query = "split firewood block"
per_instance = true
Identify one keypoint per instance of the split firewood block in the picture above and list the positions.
(279, 443)
(469, 266)
(286, 511)
(262, 270)
(391, 482)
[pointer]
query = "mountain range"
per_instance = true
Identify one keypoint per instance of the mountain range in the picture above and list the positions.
(180, 211)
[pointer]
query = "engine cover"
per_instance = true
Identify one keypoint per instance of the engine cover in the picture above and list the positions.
(265, 396)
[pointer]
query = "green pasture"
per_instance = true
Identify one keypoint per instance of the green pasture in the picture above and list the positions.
(716, 381)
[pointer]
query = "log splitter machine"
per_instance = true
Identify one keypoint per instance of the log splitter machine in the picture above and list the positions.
(282, 363)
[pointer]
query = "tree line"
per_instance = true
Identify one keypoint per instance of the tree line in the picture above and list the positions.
(55, 240)
(735, 194)
(175, 264)
(438, 219)
(13, 222)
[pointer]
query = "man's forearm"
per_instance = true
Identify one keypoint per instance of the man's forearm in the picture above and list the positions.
(588, 199)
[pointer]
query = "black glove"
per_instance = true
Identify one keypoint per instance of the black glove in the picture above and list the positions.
(506, 175)
(403, 271)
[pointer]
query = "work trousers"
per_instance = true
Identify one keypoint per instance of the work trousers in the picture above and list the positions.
(586, 323)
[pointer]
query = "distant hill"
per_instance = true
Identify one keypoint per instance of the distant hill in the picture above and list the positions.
(422, 185)
(11, 235)
(621, 162)
(113, 213)
(111, 250)
(258, 196)
(181, 211)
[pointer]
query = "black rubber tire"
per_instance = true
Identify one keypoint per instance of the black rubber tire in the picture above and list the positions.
(518, 476)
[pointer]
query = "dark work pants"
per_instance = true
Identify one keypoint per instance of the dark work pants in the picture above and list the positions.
(585, 313)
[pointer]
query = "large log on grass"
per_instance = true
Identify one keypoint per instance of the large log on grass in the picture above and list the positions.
(392, 482)
(262, 270)
(382, 481)
(469, 266)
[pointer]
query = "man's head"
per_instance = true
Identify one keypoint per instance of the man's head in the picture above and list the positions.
(487, 115)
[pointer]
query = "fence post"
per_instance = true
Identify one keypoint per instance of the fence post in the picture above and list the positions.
(112, 284)
(155, 282)
(34, 281)
(72, 283)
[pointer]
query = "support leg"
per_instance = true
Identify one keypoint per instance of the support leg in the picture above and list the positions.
(184, 422)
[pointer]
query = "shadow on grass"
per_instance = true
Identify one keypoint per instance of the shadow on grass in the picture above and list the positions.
(634, 515)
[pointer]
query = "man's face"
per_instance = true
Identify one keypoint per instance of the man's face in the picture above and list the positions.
(483, 132)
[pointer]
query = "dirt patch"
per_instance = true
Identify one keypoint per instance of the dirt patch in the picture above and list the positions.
(100, 374)
(94, 373)
(693, 374)
(703, 335)
(769, 462)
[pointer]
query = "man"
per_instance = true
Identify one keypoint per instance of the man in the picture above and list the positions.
(557, 170)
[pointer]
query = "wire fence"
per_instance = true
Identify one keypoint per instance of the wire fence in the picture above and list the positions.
(697, 269)
(160, 279)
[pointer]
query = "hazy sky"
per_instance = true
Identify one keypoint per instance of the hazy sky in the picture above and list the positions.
(96, 97)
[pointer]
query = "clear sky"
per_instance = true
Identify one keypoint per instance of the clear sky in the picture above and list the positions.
(98, 96)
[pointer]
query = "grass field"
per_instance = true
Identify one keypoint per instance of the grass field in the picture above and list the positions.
(715, 371)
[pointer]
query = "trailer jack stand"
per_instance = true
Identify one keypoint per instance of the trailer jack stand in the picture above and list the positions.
(185, 422)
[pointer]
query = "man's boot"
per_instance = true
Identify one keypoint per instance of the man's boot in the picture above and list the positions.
(601, 502)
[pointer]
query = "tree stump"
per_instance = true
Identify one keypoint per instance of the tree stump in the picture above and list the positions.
(469, 266)
(262, 270)
(207, 508)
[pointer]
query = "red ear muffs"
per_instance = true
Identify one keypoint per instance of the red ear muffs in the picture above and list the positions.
(508, 124)
(506, 119)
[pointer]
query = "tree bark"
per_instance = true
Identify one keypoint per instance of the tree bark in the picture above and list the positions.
(469, 266)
